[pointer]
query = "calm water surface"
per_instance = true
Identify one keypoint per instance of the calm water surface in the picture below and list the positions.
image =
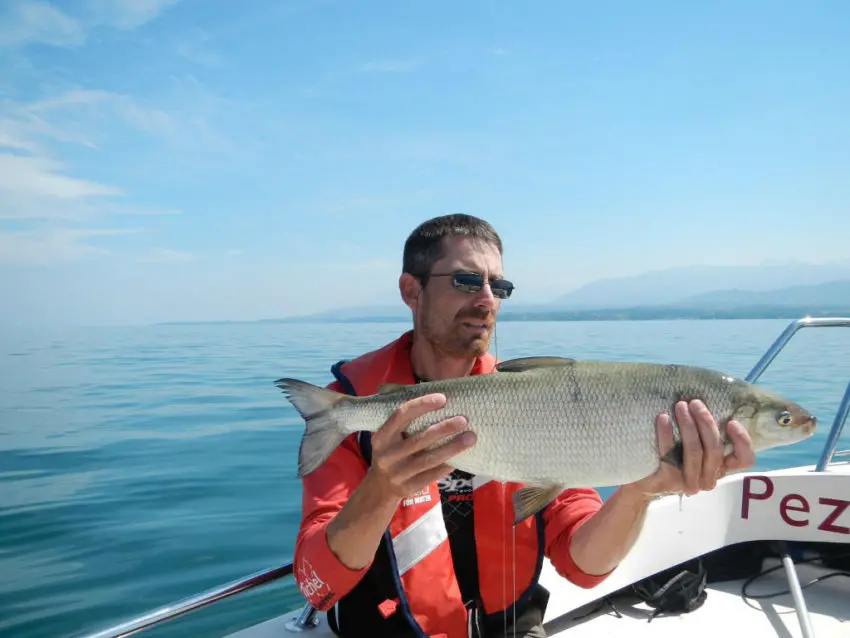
(141, 465)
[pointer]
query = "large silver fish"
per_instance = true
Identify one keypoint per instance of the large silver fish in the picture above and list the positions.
(553, 423)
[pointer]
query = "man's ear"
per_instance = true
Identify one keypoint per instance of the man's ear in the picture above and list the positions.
(410, 288)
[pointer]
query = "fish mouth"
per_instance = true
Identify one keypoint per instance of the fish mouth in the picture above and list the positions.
(810, 426)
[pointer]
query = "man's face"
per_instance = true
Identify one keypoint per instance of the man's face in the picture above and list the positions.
(453, 321)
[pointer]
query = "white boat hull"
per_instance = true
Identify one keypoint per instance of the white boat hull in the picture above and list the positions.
(794, 505)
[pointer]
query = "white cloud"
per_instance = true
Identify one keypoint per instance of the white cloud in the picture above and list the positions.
(96, 105)
(53, 208)
(52, 245)
(126, 14)
(30, 21)
(26, 22)
(30, 176)
(12, 139)
(46, 207)
(95, 118)
(35, 188)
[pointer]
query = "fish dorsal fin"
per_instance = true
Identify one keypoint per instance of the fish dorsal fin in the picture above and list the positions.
(386, 388)
(530, 363)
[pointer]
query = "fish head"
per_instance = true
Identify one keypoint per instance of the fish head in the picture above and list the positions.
(773, 420)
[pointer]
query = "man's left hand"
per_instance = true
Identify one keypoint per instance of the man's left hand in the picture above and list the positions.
(704, 459)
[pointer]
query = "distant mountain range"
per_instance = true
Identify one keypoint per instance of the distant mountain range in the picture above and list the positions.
(675, 286)
(695, 292)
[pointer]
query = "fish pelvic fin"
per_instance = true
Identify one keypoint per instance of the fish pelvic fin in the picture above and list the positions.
(527, 501)
(323, 432)
(524, 364)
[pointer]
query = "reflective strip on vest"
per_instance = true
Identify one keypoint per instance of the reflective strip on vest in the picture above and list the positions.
(420, 539)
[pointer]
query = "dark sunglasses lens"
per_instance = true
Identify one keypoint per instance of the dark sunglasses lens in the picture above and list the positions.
(468, 282)
(501, 288)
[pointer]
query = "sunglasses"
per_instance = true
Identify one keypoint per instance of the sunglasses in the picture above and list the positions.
(472, 282)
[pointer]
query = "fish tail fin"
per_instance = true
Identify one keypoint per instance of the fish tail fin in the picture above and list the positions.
(323, 431)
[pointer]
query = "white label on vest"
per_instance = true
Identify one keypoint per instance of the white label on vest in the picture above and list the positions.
(417, 498)
(420, 539)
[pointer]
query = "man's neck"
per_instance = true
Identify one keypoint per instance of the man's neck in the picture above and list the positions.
(430, 365)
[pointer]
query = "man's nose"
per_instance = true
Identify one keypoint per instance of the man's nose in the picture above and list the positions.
(485, 298)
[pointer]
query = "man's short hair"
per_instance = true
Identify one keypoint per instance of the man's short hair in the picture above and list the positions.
(424, 246)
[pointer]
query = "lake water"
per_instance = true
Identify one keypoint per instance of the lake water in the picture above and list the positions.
(141, 465)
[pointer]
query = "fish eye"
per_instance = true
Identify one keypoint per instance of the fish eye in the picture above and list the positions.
(784, 418)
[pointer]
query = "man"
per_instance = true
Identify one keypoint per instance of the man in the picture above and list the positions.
(386, 552)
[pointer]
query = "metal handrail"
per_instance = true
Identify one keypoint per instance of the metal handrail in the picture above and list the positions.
(831, 442)
(307, 617)
(835, 431)
(169, 612)
(792, 328)
(844, 407)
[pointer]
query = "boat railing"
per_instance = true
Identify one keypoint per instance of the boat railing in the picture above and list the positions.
(776, 347)
(186, 605)
(307, 619)
(800, 606)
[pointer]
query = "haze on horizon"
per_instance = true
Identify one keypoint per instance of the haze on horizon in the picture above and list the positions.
(170, 160)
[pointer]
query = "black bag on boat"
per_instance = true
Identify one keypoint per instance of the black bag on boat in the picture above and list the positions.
(677, 589)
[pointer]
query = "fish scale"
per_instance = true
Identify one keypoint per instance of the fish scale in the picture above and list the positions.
(611, 417)
(555, 423)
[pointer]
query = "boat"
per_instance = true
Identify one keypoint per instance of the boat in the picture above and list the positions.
(764, 554)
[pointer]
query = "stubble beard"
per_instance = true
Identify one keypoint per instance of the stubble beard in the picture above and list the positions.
(452, 341)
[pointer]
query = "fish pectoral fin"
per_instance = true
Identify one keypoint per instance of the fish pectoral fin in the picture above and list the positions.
(523, 364)
(386, 388)
(527, 501)
(675, 456)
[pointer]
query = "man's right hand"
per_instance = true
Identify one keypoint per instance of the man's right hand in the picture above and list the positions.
(401, 465)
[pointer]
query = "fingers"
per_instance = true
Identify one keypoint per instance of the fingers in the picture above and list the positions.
(712, 445)
(703, 448)
(404, 414)
(422, 479)
(664, 431)
(426, 437)
(692, 448)
(402, 461)
(426, 459)
(742, 456)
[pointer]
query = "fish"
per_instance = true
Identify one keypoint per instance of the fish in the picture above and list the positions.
(550, 423)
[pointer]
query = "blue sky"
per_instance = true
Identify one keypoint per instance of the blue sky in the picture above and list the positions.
(201, 159)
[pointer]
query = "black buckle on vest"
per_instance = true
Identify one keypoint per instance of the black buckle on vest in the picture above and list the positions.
(473, 625)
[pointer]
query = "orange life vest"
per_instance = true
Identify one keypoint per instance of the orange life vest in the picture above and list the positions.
(417, 555)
